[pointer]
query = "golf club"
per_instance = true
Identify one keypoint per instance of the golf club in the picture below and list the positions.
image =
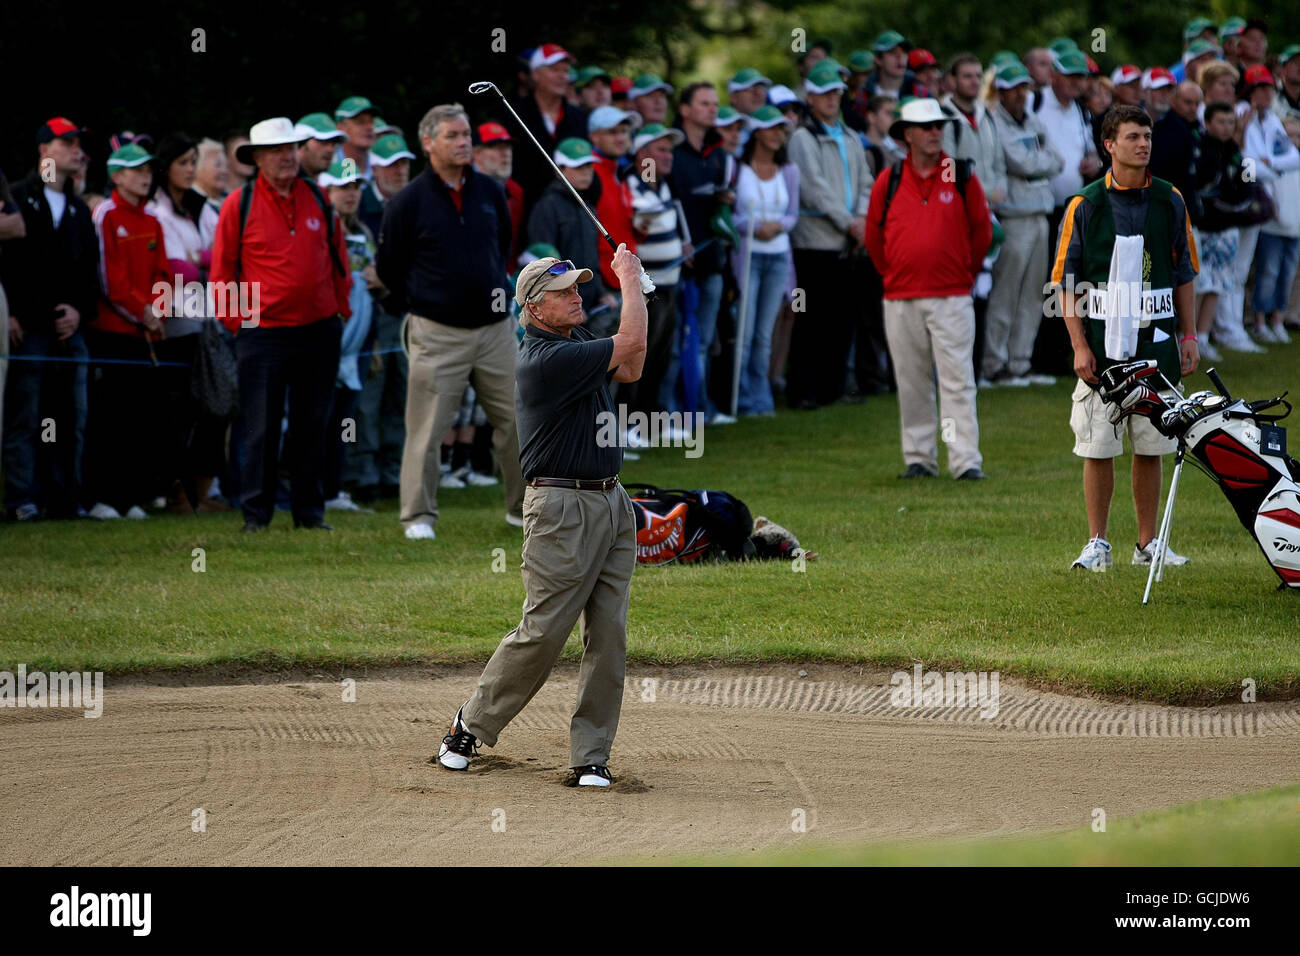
(475, 89)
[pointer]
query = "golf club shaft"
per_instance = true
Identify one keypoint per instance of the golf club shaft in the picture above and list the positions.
(647, 286)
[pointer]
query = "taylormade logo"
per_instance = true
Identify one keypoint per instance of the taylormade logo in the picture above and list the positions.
(56, 689)
(103, 909)
(946, 689)
(653, 430)
(1282, 544)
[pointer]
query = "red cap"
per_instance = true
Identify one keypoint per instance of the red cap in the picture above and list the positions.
(1257, 75)
(548, 53)
(492, 133)
(1128, 73)
(620, 85)
(1160, 76)
(58, 127)
(919, 58)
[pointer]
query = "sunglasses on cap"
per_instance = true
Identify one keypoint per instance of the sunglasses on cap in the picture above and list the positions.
(558, 269)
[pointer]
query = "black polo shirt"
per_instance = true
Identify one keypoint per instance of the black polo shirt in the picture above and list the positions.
(561, 389)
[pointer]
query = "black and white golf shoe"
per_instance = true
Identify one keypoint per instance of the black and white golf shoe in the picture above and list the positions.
(592, 775)
(459, 747)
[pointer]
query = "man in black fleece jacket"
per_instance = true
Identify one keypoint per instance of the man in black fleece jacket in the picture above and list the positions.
(443, 251)
(51, 278)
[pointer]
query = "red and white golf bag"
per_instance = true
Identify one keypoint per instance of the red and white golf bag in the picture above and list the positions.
(1237, 443)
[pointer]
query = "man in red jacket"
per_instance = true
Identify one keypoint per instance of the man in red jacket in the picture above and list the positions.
(928, 241)
(126, 397)
(273, 249)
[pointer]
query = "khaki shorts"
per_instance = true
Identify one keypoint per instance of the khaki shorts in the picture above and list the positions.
(1096, 437)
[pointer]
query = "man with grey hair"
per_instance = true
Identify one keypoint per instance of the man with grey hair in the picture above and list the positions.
(444, 249)
(579, 530)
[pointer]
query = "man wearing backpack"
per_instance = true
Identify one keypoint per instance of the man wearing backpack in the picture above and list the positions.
(928, 229)
(279, 238)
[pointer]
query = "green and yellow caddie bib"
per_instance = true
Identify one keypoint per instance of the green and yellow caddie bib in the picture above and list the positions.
(1156, 296)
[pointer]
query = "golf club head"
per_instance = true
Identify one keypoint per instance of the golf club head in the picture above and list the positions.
(1139, 400)
(482, 86)
(1116, 380)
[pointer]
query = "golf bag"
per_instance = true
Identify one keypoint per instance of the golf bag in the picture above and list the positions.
(673, 524)
(1236, 443)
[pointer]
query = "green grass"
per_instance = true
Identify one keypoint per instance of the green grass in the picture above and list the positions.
(1254, 829)
(975, 575)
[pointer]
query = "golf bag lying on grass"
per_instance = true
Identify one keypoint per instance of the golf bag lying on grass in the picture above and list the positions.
(1237, 443)
(673, 524)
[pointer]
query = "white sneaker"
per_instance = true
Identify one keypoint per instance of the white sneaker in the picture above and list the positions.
(343, 502)
(1011, 381)
(514, 521)
(1208, 352)
(1280, 335)
(104, 512)
(159, 503)
(135, 513)
(420, 532)
(1242, 344)
(472, 478)
(448, 480)
(983, 382)
(722, 418)
(1263, 333)
(1144, 556)
(1038, 378)
(1095, 556)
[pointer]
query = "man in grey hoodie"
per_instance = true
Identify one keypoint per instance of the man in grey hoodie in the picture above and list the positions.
(1016, 302)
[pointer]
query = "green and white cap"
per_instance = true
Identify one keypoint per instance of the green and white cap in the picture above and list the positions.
(649, 133)
(1011, 75)
(1232, 27)
(862, 61)
(889, 39)
(1290, 53)
(1003, 57)
(646, 83)
(746, 78)
(382, 126)
(1061, 45)
(128, 157)
(766, 117)
(388, 150)
(1201, 46)
(1195, 27)
(728, 115)
(574, 153)
(589, 73)
(1070, 63)
(354, 106)
(824, 77)
(319, 126)
(341, 173)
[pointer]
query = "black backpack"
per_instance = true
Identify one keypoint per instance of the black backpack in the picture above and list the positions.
(964, 167)
(246, 203)
(709, 524)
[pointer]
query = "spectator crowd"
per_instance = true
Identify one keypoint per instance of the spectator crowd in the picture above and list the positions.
(886, 224)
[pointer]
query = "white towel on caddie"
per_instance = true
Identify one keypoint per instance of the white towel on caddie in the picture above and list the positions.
(1124, 298)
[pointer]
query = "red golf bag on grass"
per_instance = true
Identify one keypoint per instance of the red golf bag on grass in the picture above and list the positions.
(1236, 443)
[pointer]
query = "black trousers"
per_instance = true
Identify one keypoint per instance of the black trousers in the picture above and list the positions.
(871, 365)
(344, 406)
(1053, 354)
(823, 332)
(301, 362)
(127, 430)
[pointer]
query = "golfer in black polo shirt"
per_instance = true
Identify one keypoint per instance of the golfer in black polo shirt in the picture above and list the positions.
(579, 534)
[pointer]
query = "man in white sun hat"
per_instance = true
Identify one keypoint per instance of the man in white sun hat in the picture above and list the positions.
(928, 230)
(279, 235)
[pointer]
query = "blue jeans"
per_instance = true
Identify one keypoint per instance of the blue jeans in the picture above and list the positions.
(706, 318)
(40, 472)
(1275, 265)
(767, 277)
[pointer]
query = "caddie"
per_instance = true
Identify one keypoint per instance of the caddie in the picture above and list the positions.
(579, 533)
(1124, 264)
